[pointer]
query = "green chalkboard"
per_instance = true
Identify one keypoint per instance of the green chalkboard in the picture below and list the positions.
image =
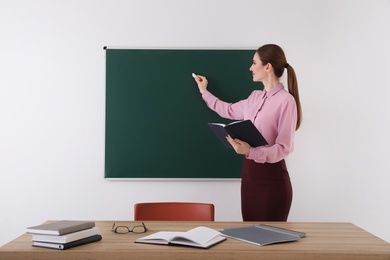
(156, 120)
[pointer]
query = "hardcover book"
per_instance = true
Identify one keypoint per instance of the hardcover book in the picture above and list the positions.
(62, 246)
(262, 234)
(243, 130)
(61, 227)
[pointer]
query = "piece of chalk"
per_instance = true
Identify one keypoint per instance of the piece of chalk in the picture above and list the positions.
(194, 75)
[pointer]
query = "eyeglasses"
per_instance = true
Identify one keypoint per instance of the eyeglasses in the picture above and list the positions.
(125, 229)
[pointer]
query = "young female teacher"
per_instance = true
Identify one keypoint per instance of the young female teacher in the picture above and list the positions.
(266, 192)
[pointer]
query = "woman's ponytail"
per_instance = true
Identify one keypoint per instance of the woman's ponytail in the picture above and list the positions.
(293, 89)
(272, 53)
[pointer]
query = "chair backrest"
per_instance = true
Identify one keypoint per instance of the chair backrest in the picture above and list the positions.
(174, 211)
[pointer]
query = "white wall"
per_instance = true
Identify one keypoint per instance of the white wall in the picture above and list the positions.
(52, 104)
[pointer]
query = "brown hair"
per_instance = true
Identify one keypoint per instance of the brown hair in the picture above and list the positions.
(273, 54)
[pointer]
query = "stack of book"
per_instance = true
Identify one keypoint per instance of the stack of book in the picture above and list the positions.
(64, 234)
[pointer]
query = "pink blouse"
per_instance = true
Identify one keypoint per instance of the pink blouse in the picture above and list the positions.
(274, 113)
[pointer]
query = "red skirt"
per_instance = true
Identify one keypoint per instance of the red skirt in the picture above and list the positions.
(266, 192)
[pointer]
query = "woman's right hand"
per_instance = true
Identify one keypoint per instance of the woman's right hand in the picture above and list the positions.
(202, 83)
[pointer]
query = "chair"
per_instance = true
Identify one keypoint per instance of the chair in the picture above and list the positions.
(174, 211)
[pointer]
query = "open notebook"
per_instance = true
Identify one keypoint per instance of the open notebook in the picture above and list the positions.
(203, 237)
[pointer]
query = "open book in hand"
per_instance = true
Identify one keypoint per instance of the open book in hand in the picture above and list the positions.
(203, 237)
(243, 130)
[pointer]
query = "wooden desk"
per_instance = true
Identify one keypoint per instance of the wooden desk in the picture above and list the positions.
(323, 241)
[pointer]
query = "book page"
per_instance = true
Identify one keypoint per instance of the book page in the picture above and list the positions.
(218, 124)
(236, 122)
(199, 235)
(162, 237)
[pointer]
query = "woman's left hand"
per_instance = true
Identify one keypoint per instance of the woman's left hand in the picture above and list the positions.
(239, 146)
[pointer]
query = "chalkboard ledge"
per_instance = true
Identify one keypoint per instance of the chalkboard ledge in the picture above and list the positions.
(175, 179)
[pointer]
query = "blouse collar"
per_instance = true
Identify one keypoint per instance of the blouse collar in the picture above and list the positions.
(273, 91)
